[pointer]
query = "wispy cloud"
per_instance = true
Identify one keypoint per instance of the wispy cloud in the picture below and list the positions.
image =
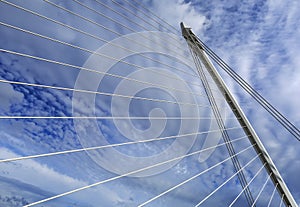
(176, 11)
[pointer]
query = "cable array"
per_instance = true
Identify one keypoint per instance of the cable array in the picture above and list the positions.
(221, 125)
(253, 93)
(121, 176)
(186, 67)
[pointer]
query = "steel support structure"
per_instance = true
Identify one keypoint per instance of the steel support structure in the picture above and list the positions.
(274, 174)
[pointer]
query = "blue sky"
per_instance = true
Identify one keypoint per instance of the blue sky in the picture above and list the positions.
(259, 39)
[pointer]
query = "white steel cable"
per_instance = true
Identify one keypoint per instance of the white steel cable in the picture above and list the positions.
(98, 38)
(261, 190)
(80, 67)
(281, 201)
(103, 15)
(145, 14)
(88, 34)
(220, 186)
(130, 20)
(134, 14)
(70, 27)
(153, 14)
(106, 28)
(144, 20)
(110, 117)
(185, 181)
(78, 90)
(102, 93)
(118, 177)
(120, 14)
(247, 185)
(154, 60)
(82, 17)
(99, 54)
(113, 145)
(270, 201)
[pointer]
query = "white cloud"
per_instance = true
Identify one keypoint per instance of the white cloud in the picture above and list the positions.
(176, 11)
(30, 171)
(9, 96)
(41, 176)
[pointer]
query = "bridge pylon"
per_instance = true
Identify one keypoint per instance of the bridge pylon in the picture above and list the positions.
(199, 53)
